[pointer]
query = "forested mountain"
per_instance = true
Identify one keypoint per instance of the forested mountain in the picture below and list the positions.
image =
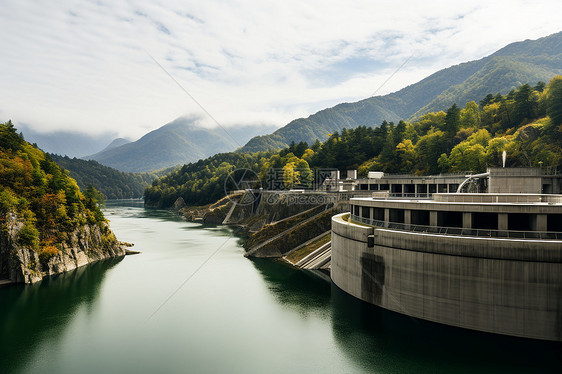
(46, 224)
(526, 123)
(202, 182)
(518, 63)
(179, 142)
(114, 184)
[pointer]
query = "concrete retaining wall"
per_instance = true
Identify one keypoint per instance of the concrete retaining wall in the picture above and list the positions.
(511, 287)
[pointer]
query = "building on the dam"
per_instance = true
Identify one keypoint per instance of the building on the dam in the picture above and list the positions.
(484, 261)
(499, 180)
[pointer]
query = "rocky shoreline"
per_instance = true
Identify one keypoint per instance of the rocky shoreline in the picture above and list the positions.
(86, 244)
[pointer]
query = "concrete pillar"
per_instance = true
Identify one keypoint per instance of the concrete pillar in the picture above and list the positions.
(466, 220)
(416, 190)
(502, 221)
(541, 223)
(407, 216)
(386, 216)
(432, 218)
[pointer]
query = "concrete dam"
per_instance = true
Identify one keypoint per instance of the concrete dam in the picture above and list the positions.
(456, 262)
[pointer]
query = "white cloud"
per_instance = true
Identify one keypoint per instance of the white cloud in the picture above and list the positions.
(85, 65)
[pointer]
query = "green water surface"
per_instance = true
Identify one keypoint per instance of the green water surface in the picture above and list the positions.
(191, 303)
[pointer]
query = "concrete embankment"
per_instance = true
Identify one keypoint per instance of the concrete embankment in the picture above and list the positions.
(277, 224)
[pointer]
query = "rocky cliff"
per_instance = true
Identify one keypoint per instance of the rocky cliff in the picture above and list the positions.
(47, 225)
(86, 244)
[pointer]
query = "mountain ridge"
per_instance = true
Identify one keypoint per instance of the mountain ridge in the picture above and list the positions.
(178, 142)
(517, 63)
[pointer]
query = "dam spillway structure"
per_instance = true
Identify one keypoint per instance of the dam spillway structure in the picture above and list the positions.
(488, 261)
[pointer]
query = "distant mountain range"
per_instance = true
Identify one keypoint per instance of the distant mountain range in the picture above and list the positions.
(72, 144)
(178, 142)
(518, 63)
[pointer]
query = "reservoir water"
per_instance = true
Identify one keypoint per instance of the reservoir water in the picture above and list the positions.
(191, 303)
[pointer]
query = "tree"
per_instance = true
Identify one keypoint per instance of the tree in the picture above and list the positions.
(470, 115)
(429, 120)
(406, 155)
(97, 197)
(554, 100)
(487, 100)
(540, 86)
(9, 138)
(494, 151)
(452, 120)
(428, 149)
(525, 103)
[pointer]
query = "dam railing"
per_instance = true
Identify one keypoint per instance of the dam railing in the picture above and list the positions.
(459, 231)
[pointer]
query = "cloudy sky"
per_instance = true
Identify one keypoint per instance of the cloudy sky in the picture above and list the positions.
(107, 65)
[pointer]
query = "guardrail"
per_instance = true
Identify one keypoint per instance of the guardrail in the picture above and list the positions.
(410, 176)
(459, 231)
(506, 198)
(410, 195)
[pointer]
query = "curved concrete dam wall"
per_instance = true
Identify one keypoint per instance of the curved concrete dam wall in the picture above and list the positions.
(503, 286)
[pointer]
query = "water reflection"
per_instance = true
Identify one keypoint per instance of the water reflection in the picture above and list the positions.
(29, 314)
(375, 338)
(379, 338)
(299, 290)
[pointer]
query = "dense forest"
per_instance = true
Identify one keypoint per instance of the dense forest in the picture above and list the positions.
(526, 123)
(114, 184)
(38, 194)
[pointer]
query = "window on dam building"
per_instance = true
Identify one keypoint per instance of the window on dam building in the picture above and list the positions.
(410, 188)
(521, 221)
(419, 217)
(365, 212)
(396, 188)
(487, 221)
(554, 222)
(397, 215)
(449, 219)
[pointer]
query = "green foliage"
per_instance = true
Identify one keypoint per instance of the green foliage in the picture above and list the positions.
(9, 138)
(204, 181)
(114, 184)
(554, 100)
(97, 197)
(39, 193)
(29, 236)
(453, 120)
